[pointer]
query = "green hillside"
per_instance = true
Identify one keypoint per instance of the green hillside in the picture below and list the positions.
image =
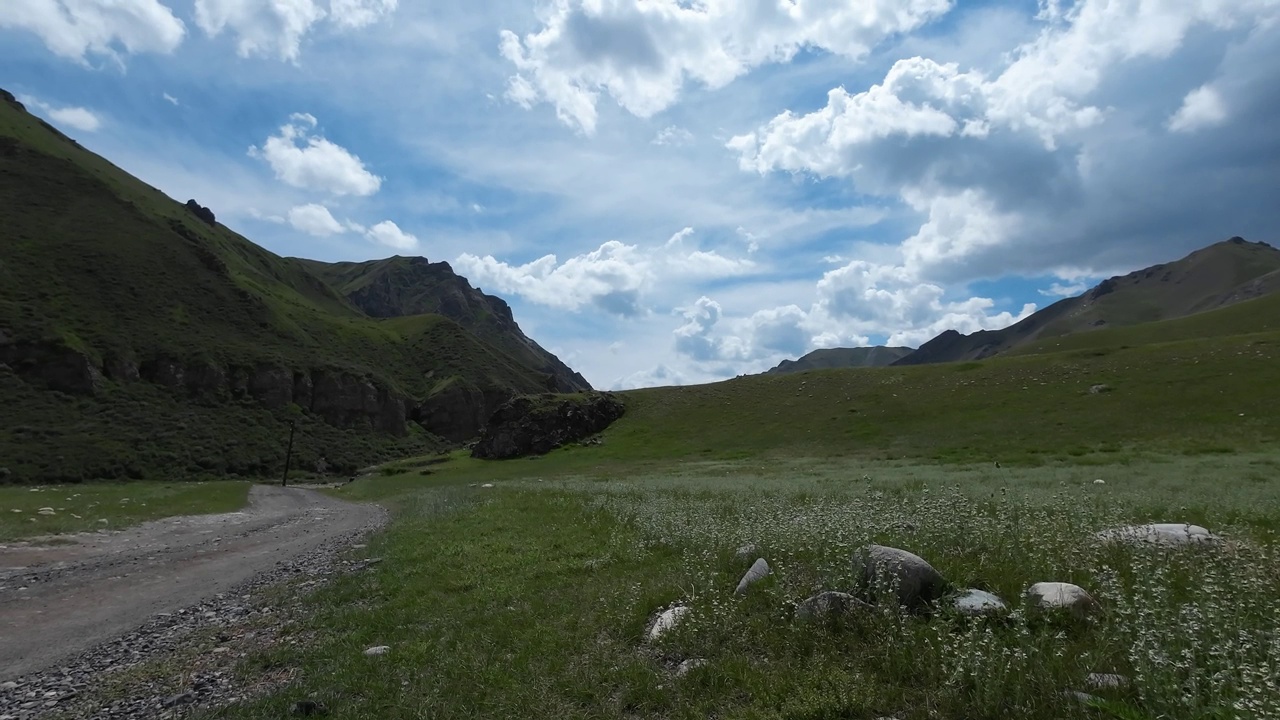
(138, 339)
(1191, 396)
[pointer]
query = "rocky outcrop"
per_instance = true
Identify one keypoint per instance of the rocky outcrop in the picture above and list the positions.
(534, 425)
(457, 410)
(202, 212)
(51, 365)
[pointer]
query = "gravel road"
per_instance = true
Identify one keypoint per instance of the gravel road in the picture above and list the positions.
(59, 601)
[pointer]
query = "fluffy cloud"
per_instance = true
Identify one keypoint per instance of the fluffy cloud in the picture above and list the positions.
(311, 162)
(672, 135)
(75, 28)
(612, 277)
(643, 52)
(277, 27)
(1035, 164)
(315, 220)
(389, 234)
(73, 117)
(1201, 108)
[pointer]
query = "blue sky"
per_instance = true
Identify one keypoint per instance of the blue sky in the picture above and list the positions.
(679, 191)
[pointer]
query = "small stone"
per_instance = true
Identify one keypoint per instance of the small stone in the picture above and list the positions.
(759, 571)
(828, 603)
(220, 650)
(487, 485)
(377, 650)
(1099, 481)
(308, 707)
(1099, 389)
(1106, 681)
(666, 621)
(746, 552)
(102, 520)
(9, 685)
(179, 699)
(46, 511)
(689, 666)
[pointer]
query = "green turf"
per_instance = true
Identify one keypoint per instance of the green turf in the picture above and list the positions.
(531, 598)
(85, 507)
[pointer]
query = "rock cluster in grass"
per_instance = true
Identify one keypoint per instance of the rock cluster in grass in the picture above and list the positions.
(233, 624)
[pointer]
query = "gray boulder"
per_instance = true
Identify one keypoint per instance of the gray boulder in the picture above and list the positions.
(666, 622)
(1166, 534)
(917, 582)
(746, 552)
(976, 603)
(758, 571)
(1106, 681)
(1061, 596)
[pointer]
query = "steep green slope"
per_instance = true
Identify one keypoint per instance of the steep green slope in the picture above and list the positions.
(1217, 276)
(137, 338)
(403, 286)
(829, 358)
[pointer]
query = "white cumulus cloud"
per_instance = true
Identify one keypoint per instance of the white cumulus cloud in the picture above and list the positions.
(389, 234)
(277, 27)
(73, 117)
(614, 277)
(74, 29)
(1201, 108)
(315, 220)
(643, 52)
(309, 161)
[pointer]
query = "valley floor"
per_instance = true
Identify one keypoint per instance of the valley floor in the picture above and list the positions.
(528, 589)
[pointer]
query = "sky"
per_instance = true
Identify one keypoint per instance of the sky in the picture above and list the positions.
(681, 191)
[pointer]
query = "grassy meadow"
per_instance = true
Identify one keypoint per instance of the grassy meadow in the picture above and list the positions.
(532, 598)
(109, 506)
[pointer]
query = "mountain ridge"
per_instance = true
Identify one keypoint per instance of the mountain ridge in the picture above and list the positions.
(826, 358)
(1224, 273)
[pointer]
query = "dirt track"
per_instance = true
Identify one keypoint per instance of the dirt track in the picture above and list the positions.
(59, 600)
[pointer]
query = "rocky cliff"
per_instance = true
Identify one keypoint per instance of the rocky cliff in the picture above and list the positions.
(535, 425)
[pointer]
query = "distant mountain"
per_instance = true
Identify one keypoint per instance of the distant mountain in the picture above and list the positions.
(826, 358)
(141, 338)
(406, 286)
(1225, 273)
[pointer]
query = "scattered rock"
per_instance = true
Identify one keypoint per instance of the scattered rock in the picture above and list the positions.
(689, 666)
(487, 485)
(1106, 681)
(828, 603)
(917, 582)
(308, 707)
(974, 603)
(759, 571)
(746, 552)
(185, 698)
(1099, 481)
(1062, 596)
(667, 621)
(1099, 389)
(377, 650)
(1170, 534)
(46, 511)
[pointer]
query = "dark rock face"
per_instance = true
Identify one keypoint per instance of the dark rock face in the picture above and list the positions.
(458, 412)
(52, 365)
(536, 425)
(202, 212)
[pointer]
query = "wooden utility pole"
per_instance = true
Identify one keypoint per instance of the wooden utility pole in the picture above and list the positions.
(288, 454)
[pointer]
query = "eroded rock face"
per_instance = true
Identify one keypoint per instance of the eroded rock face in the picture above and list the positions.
(917, 583)
(534, 425)
(458, 412)
(52, 365)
